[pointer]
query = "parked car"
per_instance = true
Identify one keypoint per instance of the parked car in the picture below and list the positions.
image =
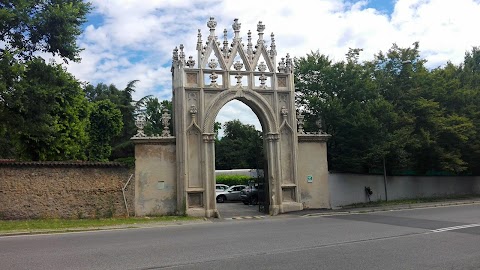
(250, 195)
(231, 194)
(220, 188)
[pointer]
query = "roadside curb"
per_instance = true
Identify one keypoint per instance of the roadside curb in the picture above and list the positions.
(105, 228)
(347, 211)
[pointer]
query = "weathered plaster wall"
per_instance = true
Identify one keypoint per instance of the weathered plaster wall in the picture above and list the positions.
(350, 188)
(312, 161)
(63, 190)
(155, 177)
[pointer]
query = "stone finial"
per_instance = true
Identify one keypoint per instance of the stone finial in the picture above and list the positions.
(190, 62)
(260, 29)
(212, 24)
(300, 123)
(263, 79)
(273, 46)
(213, 64)
(288, 64)
(249, 46)
(213, 80)
(236, 28)
(225, 44)
(236, 25)
(175, 55)
(239, 80)
(319, 125)
(281, 66)
(181, 55)
(199, 41)
(238, 65)
(262, 67)
(140, 123)
(166, 122)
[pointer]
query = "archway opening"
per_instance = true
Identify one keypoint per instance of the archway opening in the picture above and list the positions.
(240, 162)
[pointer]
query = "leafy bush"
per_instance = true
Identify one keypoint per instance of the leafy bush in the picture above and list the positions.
(232, 180)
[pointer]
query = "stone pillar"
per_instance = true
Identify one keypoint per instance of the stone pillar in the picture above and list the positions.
(155, 176)
(209, 171)
(312, 170)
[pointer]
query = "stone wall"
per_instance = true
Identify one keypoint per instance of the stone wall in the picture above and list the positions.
(64, 190)
(350, 188)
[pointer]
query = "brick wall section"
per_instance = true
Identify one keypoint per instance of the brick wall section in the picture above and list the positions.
(64, 190)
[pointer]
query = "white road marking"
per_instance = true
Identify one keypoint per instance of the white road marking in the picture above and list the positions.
(455, 228)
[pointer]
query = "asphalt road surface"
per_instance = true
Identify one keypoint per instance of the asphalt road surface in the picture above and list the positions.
(435, 238)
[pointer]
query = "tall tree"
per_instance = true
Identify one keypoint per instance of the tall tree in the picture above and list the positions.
(122, 99)
(52, 26)
(240, 148)
(105, 124)
(51, 114)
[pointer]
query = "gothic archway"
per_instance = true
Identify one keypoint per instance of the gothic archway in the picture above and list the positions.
(203, 86)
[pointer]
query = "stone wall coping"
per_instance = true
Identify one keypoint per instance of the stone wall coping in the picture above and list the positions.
(313, 137)
(15, 163)
(153, 140)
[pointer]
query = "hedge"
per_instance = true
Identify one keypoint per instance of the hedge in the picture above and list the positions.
(235, 179)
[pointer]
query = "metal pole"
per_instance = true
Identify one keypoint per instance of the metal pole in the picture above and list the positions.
(385, 178)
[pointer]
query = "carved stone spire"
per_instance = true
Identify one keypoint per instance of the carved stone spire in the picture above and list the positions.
(225, 44)
(260, 29)
(199, 40)
(212, 24)
(249, 46)
(181, 54)
(281, 65)
(288, 64)
(273, 47)
(166, 122)
(175, 55)
(236, 28)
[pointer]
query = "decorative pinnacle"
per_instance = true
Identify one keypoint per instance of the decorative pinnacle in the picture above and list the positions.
(212, 24)
(199, 40)
(175, 54)
(249, 45)
(260, 29)
(236, 28)
(182, 54)
(273, 46)
(236, 25)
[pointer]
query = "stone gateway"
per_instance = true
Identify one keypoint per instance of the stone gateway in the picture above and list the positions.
(175, 174)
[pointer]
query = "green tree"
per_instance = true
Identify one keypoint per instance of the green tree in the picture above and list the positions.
(240, 148)
(153, 111)
(105, 124)
(51, 114)
(52, 26)
(121, 144)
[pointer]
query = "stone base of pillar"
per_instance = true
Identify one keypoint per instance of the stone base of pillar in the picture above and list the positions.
(201, 212)
(290, 207)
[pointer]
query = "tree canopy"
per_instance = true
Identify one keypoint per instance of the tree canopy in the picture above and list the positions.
(394, 110)
(241, 147)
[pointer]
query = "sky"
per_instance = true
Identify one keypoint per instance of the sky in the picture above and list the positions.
(127, 40)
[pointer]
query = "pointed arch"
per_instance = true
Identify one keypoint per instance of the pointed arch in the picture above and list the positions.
(256, 102)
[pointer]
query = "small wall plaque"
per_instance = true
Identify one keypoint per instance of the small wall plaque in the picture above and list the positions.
(309, 179)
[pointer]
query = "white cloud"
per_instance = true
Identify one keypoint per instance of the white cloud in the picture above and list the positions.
(135, 41)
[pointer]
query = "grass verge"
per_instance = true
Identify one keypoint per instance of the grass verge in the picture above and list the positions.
(63, 225)
(410, 201)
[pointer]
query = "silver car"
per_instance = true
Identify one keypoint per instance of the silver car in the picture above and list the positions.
(231, 194)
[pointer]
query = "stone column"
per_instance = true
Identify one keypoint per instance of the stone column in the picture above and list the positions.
(274, 184)
(209, 175)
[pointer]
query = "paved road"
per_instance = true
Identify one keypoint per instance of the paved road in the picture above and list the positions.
(436, 238)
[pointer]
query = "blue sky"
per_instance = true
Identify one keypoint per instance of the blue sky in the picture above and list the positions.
(128, 40)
